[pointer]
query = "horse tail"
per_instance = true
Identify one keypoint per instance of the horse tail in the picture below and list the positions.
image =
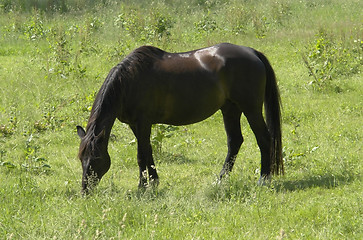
(272, 104)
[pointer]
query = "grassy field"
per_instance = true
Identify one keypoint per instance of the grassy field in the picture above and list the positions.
(54, 56)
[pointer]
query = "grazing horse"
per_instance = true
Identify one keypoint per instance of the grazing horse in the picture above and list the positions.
(153, 86)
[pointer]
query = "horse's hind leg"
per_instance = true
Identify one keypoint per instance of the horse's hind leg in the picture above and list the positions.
(262, 135)
(231, 118)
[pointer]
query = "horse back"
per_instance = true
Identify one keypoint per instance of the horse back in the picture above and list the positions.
(183, 88)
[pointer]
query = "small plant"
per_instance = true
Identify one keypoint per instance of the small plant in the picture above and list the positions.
(130, 21)
(59, 46)
(91, 25)
(3, 163)
(160, 133)
(9, 128)
(33, 162)
(260, 26)
(87, 102)
(49, 120)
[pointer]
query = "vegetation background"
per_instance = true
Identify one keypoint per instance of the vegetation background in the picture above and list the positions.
(54, 56)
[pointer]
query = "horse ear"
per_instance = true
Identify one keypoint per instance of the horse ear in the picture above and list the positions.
(81, 132)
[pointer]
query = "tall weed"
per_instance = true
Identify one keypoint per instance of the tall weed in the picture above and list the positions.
(144, 27)
(34, 27)
(329, 58)
(32, 161)
(160, 132)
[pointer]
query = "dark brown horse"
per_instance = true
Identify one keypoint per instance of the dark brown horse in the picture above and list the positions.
(153, 86)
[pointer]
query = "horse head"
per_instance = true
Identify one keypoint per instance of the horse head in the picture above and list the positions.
(94, 158)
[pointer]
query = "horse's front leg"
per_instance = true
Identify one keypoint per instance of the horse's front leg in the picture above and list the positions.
(144, 155)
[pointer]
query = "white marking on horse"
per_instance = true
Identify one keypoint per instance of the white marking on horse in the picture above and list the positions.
(184, 55)
(210, 52)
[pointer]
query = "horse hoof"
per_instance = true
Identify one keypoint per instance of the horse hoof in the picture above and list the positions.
(154, 183)
(143, 183)
(264, 180)
(217, 182)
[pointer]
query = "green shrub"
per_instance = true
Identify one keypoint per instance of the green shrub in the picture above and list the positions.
(207, 24)
(329, 58)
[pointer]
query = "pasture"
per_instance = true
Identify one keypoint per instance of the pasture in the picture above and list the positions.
(54, 57)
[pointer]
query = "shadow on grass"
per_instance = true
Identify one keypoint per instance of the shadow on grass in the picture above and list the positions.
(327, 181)
(245, 190)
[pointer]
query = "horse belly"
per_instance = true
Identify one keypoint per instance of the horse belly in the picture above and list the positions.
(192, 105)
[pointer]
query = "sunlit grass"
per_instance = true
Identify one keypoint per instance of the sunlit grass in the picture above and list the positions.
(53, 62)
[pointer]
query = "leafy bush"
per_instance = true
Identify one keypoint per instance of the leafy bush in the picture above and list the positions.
(161, 24)
(152, 26)
(207, 24)
(34, 28)
(329, 59)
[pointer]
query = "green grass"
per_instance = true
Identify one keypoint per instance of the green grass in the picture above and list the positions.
(53, 61)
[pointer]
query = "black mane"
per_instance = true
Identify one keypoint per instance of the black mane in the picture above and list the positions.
(117, 81)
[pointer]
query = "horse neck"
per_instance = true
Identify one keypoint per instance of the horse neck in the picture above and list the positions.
(104, 124)
(105, 106)
(100, 121)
